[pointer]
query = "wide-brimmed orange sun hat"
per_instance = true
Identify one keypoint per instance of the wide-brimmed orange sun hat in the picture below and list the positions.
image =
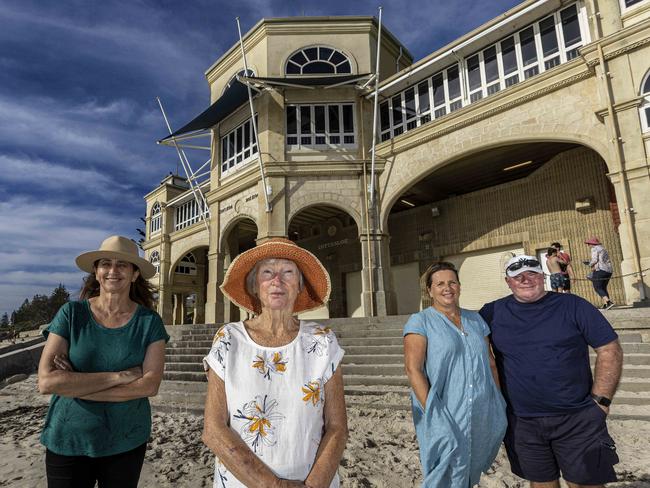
(316, 289)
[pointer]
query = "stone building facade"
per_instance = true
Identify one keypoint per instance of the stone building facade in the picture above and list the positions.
(531, 129)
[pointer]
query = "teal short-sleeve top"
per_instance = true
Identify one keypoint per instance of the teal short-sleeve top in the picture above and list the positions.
(76, 427)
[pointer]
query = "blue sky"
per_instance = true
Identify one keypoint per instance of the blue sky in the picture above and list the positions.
(79, 120)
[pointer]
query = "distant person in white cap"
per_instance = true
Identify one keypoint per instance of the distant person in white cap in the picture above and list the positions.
(104, 356)
(556, 411)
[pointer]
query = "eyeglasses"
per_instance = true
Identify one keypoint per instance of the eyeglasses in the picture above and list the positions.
(532, 263)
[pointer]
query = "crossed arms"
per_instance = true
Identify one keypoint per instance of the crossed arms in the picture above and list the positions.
(55, 375)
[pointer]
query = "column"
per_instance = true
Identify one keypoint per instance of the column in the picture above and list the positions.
(377, 295)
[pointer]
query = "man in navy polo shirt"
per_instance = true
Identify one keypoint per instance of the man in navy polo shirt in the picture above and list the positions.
(556, 412)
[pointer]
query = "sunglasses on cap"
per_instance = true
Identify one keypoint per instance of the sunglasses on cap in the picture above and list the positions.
(531, 263)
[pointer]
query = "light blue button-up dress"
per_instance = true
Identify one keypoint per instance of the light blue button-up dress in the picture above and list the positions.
(461, 427)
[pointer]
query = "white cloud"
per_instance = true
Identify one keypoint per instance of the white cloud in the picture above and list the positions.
(56, 127)
(39, 242)
(36, 173)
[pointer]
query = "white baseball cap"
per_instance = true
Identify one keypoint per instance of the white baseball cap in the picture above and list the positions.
(520, 264)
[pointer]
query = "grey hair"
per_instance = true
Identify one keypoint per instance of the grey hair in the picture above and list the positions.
(251, 277)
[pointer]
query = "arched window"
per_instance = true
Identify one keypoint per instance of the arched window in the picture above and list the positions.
(155, 260)
(645, 105)
(318, 60)
(156, 218)
(187, 265)
(242, 72)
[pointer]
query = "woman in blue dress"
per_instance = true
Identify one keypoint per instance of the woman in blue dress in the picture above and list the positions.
(458, 410)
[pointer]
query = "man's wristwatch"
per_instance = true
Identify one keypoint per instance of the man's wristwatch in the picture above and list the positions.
(601, 400)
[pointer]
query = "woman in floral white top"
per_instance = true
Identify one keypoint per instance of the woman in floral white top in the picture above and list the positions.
(275, 410)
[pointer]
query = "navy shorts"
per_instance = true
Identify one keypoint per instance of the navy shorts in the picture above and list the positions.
(557, 281)
(577, 446)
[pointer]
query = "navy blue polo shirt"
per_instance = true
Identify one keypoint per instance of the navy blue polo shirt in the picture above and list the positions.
(541, 350)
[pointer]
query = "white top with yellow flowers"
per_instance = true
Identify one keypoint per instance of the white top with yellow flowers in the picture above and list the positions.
(275, 396)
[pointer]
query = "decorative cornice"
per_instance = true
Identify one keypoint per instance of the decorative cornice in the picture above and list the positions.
(241, 181)
(317, 168)
(642, 171)
(632, 103)
(427, 133)
(625, 49)
(640, 31)
(232, 57)
(196, 228)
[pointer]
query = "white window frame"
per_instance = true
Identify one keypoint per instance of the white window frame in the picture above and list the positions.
(312, 127)
(154, 259)
(187, 265)
(644, 108)
(188, 213)
(155, 223)
(465, 94)
(625, 9)
(238, 159)
(318, 48)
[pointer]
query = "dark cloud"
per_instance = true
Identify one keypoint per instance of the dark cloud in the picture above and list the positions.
(79, 120)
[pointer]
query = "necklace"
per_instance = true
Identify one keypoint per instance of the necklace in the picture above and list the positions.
(455, 318)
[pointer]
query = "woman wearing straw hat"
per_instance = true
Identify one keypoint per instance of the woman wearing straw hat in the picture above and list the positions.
(458, 410)
(275, 410)
(103, 357)
(601, 266)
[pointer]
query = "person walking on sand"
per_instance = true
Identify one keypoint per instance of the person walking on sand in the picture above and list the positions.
(556, 411)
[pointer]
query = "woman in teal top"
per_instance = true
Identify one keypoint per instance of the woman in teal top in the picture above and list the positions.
(458, 410)
(104, 356)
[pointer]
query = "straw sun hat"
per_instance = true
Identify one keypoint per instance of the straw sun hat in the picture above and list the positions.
(593, 241)
(116, 247)
(316, 289)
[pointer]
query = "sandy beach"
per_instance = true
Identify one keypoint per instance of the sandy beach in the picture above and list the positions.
(382, 450)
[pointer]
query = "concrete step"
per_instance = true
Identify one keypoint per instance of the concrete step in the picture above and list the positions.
(374, 350)
(183, 358)
(359, 390)
(631, 371)
(197, 337)
(183, 367)
(633, 324)
(202, 344)
(637, 365)
(374, 369)
(374, 359)
(368, 380)
(356, 333)
(636, 347)
(626, 337)
(396, 321)
(371, 341)
(198, 351)
(632, 359)
(184, 376)
(183, 386)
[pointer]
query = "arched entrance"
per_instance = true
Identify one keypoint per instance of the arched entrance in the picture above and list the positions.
(189, 278)
(238, 237)
(332, 235)
(477, 211)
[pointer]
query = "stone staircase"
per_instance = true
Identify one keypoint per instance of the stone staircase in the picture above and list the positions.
(373, 366)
